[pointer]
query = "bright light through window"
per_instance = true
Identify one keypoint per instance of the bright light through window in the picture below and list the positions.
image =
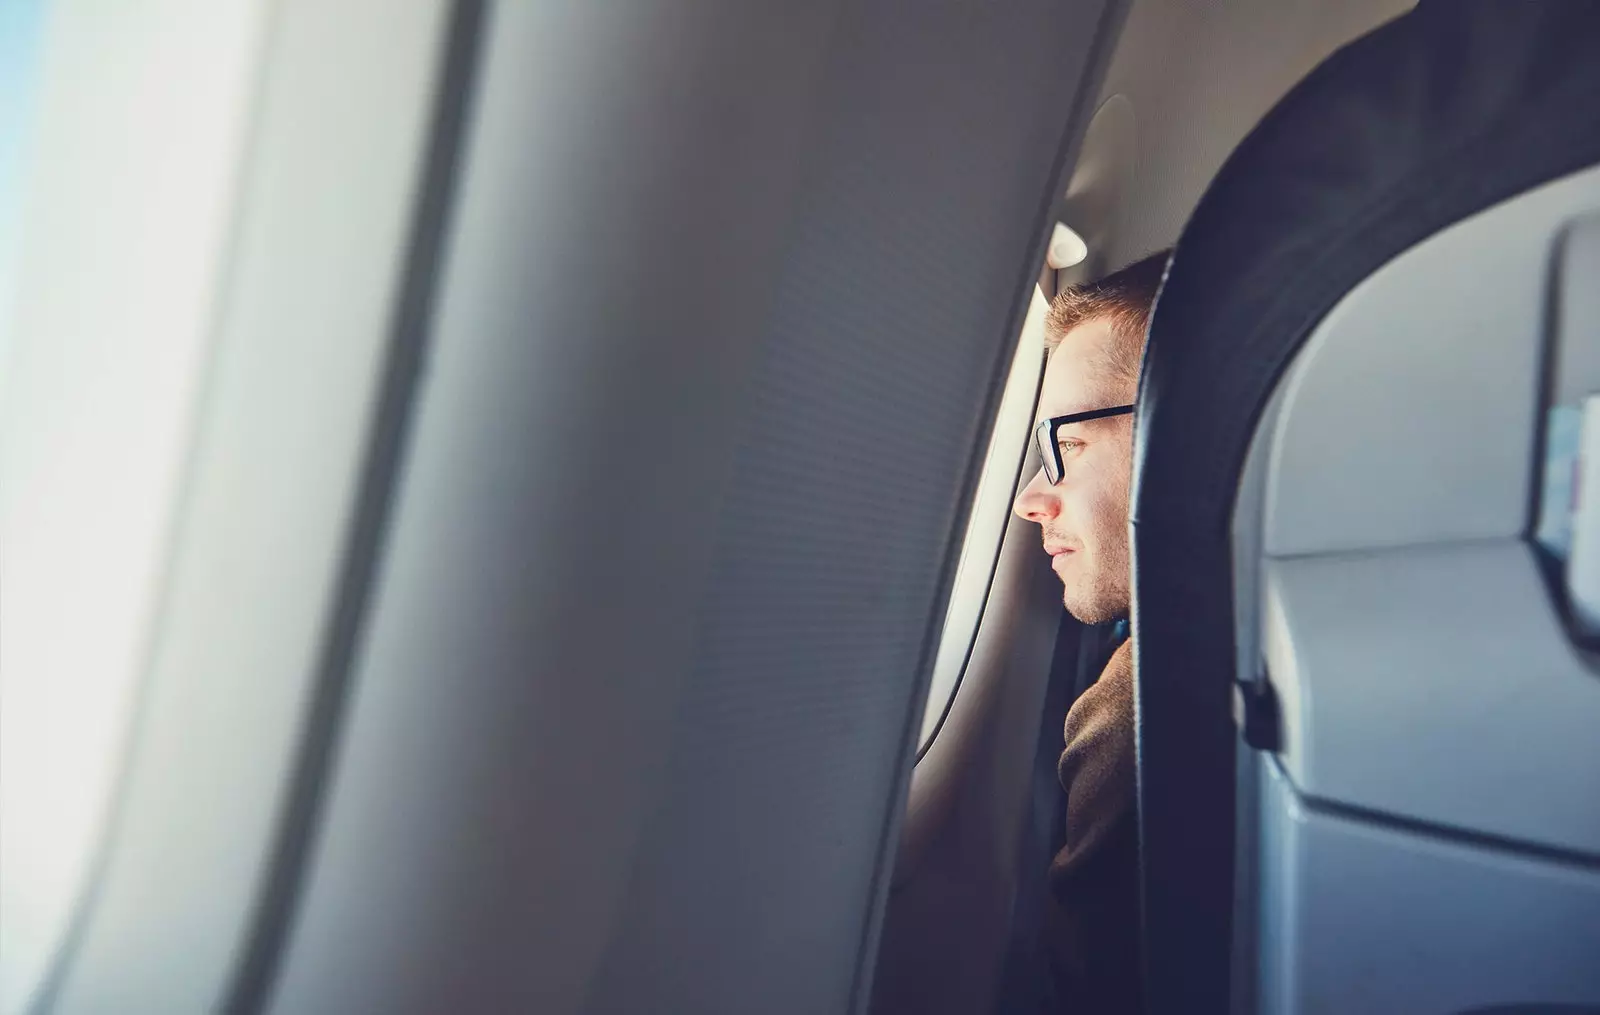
(120, 207)
(987, 523)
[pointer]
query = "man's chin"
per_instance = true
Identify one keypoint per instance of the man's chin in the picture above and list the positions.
(1091, 609)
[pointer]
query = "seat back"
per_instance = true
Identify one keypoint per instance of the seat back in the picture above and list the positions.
(1429, 821)
(1342, 423)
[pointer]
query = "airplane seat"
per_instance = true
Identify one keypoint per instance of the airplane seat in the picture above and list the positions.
(1368, 726)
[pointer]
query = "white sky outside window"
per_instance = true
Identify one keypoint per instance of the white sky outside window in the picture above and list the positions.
(138, 121)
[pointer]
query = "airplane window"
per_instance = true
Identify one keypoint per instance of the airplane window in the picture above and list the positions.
(986, 524)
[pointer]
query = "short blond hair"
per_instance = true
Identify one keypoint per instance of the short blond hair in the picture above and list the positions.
(1122, 298)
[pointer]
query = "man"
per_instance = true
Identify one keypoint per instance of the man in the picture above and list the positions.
(1079, 499)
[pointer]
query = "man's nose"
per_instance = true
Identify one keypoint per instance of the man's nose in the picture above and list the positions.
(1037, 502)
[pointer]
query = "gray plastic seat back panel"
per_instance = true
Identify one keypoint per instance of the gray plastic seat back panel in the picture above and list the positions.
(1437, 683)
(1423, 666)
(1375, 919)
(1422, 384)
(1430, 823)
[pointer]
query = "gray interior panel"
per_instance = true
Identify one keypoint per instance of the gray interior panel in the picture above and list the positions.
(1197, 77)
(1422, 383)
(1438, 683)
(1429, 828)
(1418, 656)
(634, 714)
(1367, 918)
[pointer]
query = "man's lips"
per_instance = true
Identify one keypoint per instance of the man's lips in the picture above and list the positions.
(1057, 549)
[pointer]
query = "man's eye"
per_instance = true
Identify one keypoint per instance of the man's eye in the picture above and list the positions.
(1068, 446)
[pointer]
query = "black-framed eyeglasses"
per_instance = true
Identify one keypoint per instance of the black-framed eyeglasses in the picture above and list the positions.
(1044, 435)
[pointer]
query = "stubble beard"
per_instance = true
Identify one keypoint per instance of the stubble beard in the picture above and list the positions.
(1101, 595)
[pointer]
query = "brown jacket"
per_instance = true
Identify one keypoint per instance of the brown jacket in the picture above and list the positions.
(1092, 924)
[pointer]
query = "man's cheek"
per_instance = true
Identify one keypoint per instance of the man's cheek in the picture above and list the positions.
(1078, 514)
(1075, 513)
(1105, 512)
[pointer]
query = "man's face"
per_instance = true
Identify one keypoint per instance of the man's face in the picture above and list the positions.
(1084, 518)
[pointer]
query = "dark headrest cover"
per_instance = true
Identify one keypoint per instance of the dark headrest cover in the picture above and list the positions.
(1427, 120)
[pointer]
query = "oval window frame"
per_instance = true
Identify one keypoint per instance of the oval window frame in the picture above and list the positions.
(998, 479)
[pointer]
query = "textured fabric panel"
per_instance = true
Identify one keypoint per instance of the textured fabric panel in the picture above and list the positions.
(887, 327)
(728, 291)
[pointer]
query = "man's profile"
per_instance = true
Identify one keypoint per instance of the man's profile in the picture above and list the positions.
(1079, 499)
